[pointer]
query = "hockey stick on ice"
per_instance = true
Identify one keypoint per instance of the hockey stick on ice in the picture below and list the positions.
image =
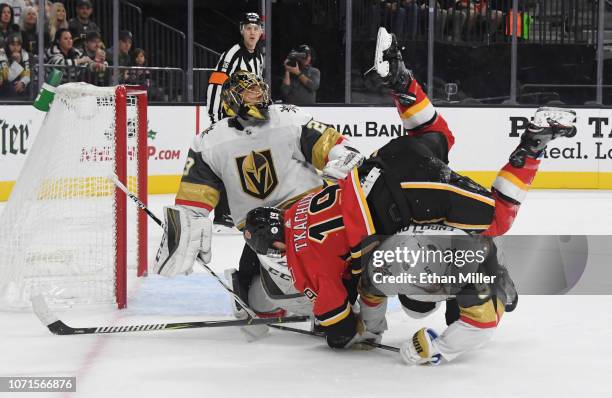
(56, 326)
(319, 334)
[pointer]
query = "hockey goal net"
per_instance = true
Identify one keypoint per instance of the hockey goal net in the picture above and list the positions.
(64, 231)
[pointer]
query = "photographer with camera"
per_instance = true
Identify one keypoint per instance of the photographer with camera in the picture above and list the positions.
(301, 80)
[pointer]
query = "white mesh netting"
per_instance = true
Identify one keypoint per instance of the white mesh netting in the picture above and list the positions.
(57, 231)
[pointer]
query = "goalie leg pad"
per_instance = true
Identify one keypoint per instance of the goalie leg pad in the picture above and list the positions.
(186, 234)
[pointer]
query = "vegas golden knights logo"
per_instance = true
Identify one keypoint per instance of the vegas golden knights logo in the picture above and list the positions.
(257, 174)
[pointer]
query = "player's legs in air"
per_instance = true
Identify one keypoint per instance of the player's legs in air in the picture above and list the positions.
(416, 111)
(422, 121)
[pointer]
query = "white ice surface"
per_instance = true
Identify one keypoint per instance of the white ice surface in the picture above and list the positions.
(551, 346)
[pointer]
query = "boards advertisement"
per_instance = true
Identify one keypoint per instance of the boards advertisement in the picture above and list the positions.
(485, 137)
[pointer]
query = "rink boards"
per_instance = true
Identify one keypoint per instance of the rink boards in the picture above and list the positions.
(484, 139)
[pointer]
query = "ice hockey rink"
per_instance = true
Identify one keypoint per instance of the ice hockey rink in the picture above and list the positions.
(551, 346)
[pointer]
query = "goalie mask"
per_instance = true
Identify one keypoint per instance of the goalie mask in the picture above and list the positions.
(246, 95)
(263, 227)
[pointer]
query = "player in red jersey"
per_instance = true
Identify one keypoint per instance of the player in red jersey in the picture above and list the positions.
(406, 182)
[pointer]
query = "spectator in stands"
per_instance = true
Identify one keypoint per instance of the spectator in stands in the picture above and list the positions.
(125, 57)
(98, 69)
(456, 18)
(28, 30)
(301, 80)
(48, 7)
(93, 42)
(414, 15)
(7, 24)
(14, 68)
(82, 24)
(140, 58)
(63, 53)
(143, 77)
(482, 22)
(398, 19)
(18, 7)
(57, 21)
(125, 48)
(97, 73)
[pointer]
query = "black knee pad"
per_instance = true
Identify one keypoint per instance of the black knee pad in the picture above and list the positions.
(452, 311)
(421, 307)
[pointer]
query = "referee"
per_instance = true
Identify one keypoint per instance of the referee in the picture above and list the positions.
(245, 55)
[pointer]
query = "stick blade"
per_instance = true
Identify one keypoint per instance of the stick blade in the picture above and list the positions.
(48, 318)
(42, 311)
(254, 332)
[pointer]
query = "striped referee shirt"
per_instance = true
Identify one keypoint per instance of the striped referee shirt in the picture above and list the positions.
(235, 59)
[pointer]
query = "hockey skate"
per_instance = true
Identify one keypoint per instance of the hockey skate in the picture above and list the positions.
(388, 63)
(508, 292)
(548, 124)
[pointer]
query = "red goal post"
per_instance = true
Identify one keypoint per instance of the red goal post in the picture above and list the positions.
(121, 157)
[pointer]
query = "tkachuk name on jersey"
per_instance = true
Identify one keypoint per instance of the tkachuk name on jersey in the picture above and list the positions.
(299, 224)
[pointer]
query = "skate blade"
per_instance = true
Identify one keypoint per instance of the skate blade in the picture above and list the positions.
(564, 117)
(383, 42)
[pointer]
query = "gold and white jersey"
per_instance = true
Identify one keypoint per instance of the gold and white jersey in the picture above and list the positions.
(268, 164)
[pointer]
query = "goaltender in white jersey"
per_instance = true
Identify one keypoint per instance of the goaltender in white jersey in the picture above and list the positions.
(264, 155)
(259, 164)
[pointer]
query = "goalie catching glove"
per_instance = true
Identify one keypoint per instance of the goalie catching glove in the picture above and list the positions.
(342, 159)
(186, 234)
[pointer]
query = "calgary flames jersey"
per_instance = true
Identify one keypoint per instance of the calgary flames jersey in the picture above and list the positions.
(267, 164)
(323, 231)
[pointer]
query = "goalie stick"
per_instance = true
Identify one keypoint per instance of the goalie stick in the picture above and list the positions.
(113, 177)
(57, 326)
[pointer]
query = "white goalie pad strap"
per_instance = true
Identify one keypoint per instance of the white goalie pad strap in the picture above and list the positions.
(186, 233)
(509, 189)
